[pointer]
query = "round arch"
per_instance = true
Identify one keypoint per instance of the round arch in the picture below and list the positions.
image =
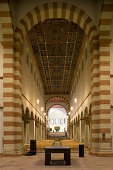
(58, 105)
(74, 14)
(57, 100)
(81, 115)
(86, 112)
(62, 10)
(61, 97)
(58, 10)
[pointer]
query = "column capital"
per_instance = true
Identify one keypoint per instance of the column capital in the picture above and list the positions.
(36, 124)
(77, 124)
(26, 119)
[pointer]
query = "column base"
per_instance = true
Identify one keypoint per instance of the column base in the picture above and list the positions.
(0, 154)
(101, 154)
(12, 155)
(13, 152)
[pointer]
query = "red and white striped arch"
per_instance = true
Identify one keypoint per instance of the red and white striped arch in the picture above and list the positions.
(46, 11)
(12, 81)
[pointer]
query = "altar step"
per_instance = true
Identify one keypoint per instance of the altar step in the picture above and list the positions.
(57, 138)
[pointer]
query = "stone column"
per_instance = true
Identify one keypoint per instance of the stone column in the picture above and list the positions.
(36, 129)
(1, 131)
(112, 128)
(27, 133)
(80, 129)
(100, 89)
(77, 132)
(90, 130)
(37, 132)
(10, 60)
(23, 131)
(73, 131)
(32, 129)
(44, 132)
(46, 125)
(68, 127)
(41, 131)
(86, 132)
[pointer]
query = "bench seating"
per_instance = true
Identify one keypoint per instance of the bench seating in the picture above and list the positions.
(26, 147)
(44, 143)
(40, 145)
(70, 143)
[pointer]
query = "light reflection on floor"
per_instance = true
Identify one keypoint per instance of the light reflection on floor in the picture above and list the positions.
(37, 162)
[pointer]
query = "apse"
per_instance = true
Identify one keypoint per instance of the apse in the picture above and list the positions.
(57, 119)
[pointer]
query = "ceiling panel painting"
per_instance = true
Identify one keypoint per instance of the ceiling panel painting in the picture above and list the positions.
(56, 45)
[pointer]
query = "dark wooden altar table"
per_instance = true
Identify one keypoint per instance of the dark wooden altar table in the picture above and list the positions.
(57, 149)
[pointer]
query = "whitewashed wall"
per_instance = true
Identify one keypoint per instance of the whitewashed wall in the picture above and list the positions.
(82, 89)
(59, 114)
(30, 88)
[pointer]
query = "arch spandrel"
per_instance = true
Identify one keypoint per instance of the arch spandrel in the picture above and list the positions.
(64, 103)
(62, 10)
(66, 11)
(55, 105)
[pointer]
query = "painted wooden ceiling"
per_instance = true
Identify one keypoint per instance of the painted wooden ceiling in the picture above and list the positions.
(56, 45)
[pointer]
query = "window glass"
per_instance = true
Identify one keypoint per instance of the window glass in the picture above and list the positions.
(52, 121)
(56, 121)
(61, 121)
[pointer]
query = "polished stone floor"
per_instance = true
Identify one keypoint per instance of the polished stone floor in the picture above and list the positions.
(37, 162)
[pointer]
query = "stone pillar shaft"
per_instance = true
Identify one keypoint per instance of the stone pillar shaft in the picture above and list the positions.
(27, 133)
(32, 130)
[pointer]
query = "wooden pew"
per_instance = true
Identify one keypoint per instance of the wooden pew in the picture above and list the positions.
(71, 143)
(40, 145)
(44, 143)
